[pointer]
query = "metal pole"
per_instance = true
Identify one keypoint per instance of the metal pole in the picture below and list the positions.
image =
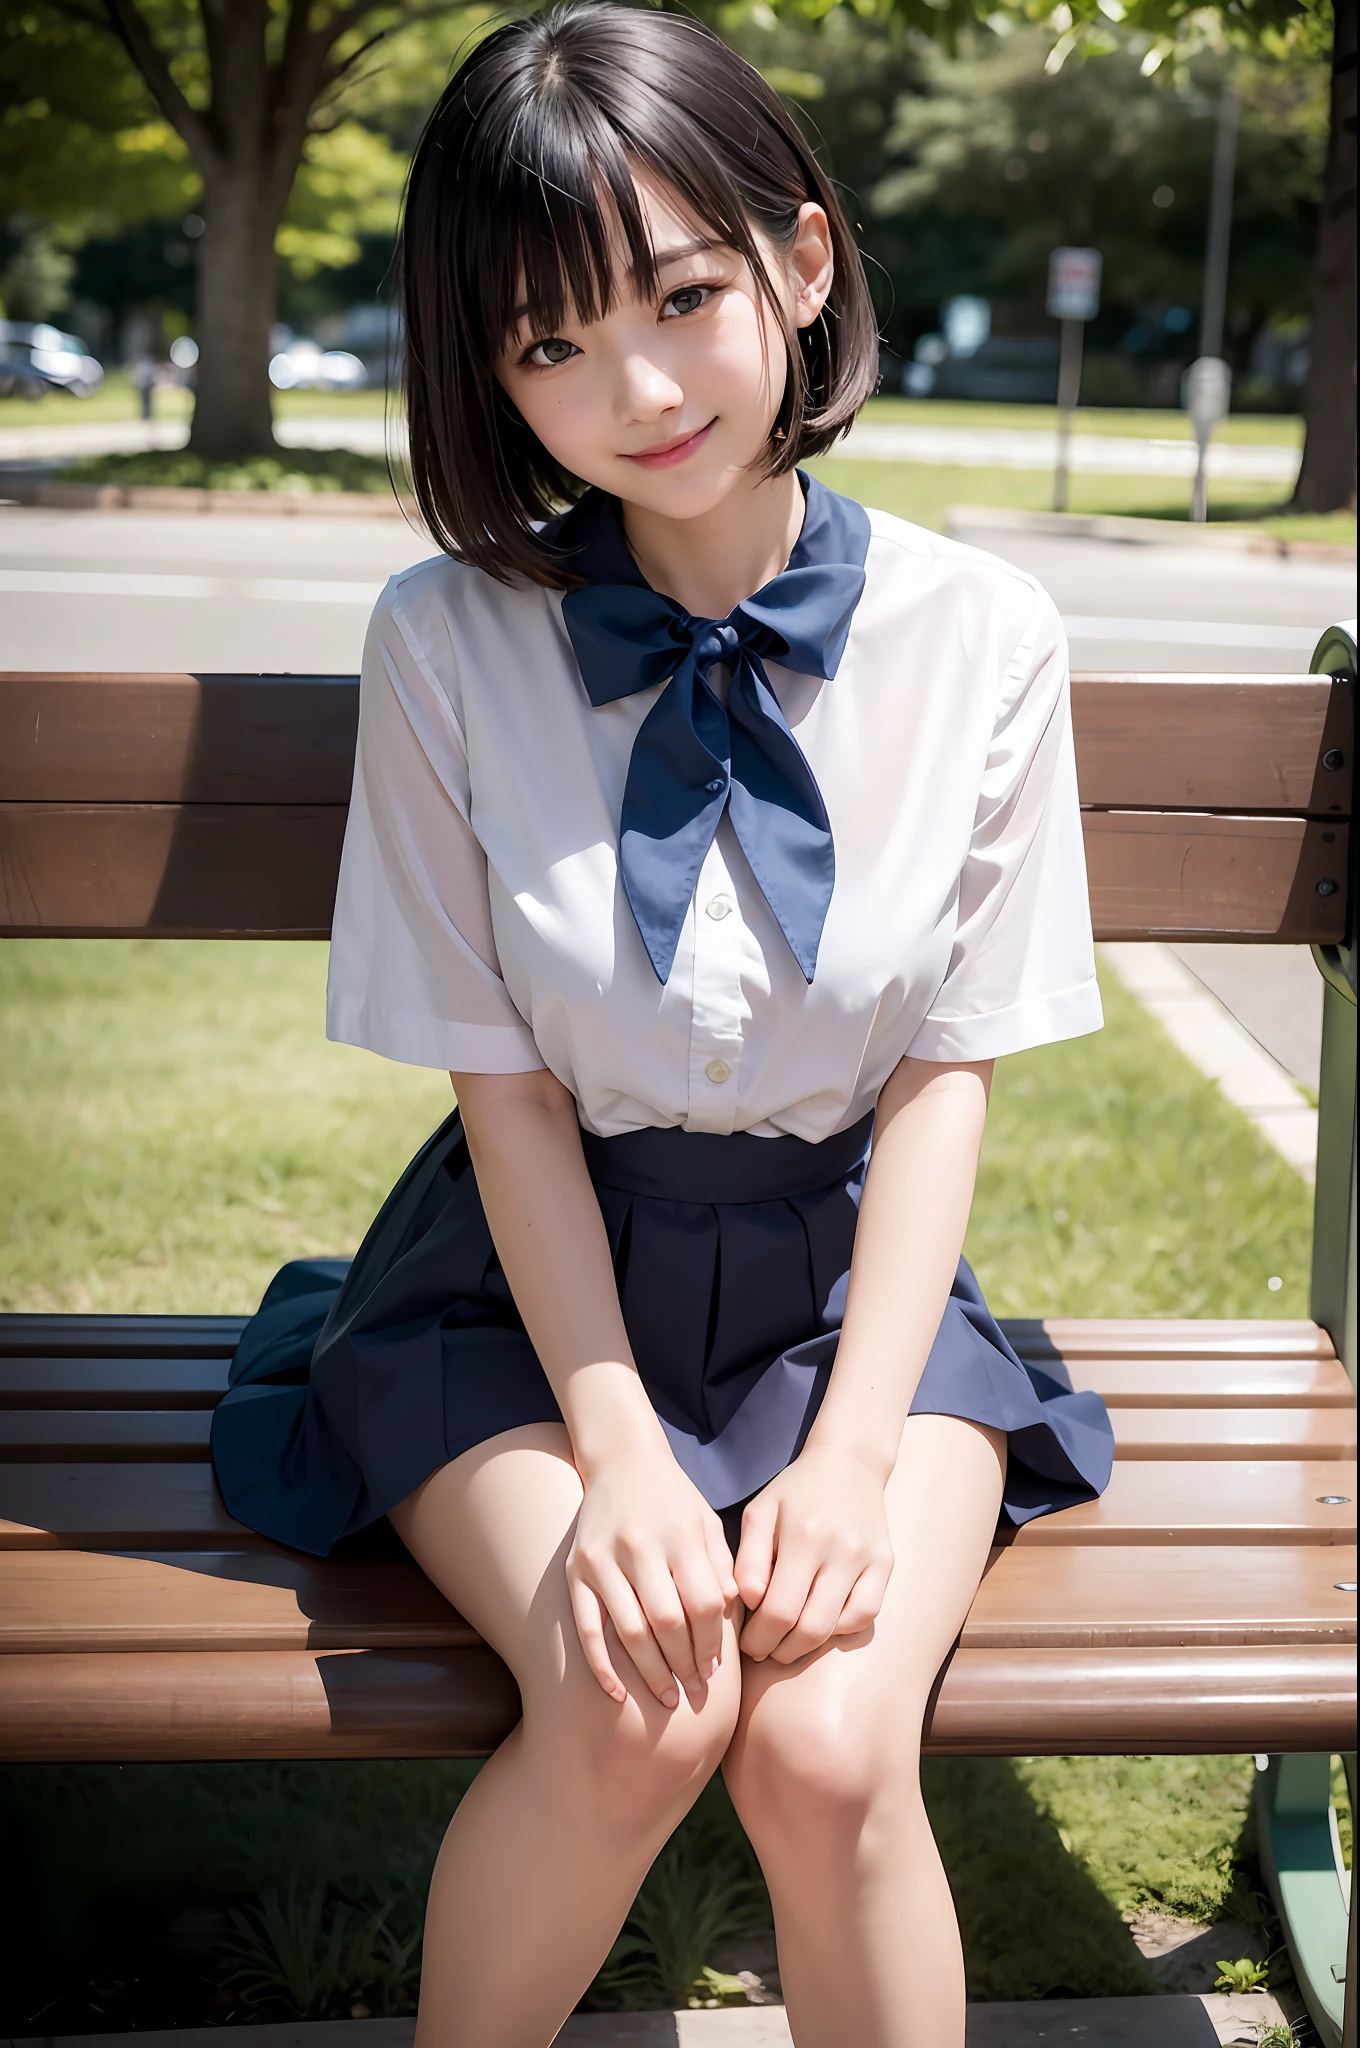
(1199, 496)
(1213, 305)
(1069, 389)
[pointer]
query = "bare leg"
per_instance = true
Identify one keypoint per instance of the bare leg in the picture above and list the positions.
(824, 1771)
(546, 1852)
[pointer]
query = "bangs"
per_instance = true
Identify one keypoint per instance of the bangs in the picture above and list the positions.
(523, 205)
(561, 188)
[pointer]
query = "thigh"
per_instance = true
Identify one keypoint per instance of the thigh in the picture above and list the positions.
(492, 1529)
(943, 1500)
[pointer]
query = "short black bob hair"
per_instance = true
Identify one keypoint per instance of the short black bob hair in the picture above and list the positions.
(524, 166)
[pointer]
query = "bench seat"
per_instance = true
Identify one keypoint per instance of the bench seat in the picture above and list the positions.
(139, 1621)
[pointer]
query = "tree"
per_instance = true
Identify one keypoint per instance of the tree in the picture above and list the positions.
(254, 92)
(1105, 154)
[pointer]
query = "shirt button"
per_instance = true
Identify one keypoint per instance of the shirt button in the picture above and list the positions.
(720, 907)
(718, 1070)
(714, 786)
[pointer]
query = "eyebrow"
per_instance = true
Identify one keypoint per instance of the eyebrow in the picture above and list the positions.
(662, 258)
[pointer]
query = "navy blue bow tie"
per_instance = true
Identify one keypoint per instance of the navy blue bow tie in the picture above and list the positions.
(695, 757)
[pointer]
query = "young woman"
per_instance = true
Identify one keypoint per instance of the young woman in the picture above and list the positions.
(700, 830)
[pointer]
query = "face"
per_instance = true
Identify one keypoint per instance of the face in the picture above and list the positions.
(668, 403)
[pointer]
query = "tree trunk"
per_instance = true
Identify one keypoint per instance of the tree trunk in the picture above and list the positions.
(237, 291)
(1327, 479)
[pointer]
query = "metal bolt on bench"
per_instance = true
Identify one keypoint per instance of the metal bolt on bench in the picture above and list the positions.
(1204, 1603)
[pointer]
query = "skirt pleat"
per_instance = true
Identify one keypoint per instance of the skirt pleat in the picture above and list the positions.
(354, 1382)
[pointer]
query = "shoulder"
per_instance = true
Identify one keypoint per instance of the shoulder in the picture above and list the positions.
(910, 565)
(448, 624)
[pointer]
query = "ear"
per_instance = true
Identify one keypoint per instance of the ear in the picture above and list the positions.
(812, 264)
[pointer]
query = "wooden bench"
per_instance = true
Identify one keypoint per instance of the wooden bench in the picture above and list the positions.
(1204, 1603)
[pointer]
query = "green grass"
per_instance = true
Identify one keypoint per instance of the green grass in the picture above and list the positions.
(295, 469)
(1142, 423)
(923, 492)
(173, 1125)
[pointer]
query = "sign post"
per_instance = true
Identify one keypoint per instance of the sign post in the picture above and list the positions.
(1073, 298)
(1205, 393)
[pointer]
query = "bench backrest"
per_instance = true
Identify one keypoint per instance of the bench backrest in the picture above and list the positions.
(214, 805)
(1215, 807)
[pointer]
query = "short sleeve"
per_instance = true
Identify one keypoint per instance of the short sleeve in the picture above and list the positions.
(1022, 969)
(413, 968)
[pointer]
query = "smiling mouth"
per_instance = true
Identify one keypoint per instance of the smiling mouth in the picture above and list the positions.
(671, 452)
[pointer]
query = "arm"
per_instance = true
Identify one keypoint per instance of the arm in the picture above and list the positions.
(815, 1556)
(648, 1552)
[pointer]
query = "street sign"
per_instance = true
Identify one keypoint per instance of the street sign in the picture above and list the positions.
(1073, 284)
(1205, 393)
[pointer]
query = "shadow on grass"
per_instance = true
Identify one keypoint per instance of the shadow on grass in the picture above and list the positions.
(117, 1881)
(1034, 1923)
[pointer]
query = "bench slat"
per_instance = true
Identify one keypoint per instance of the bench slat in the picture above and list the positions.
(1228, 1501)
(75, 1600)
(118, 1507)
(85, 1336)
(1287, 1433)
(223, 870)
(1074, 1596)
(1159, 740)
(141, 1434)
(1168, 1337)
(1069, 1337)
(1124, 1383)
(177, 1506)
(1051, 1596)
(452, 1703)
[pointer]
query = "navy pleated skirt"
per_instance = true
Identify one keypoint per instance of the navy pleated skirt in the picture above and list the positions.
(355, 1382)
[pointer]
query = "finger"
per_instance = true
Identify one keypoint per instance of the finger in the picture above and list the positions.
(701, 1594)
(756, 1551)
(664, 1607)
(632, 1629)
(861, 1609)
(790, 1583)
(588, 1612)
(720, 1557)
(822, 1609)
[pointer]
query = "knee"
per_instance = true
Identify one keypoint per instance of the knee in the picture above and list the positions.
(636, 1765)
(806, 1766)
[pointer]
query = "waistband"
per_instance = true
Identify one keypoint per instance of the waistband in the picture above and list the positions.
(700, 1166)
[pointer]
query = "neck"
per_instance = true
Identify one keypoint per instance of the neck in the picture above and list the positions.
(710, 563)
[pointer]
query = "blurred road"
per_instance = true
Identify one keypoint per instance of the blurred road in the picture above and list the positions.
(138, 590)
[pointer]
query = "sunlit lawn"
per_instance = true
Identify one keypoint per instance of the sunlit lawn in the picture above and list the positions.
(173, 1125)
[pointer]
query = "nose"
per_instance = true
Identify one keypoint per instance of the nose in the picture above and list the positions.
(646, 389)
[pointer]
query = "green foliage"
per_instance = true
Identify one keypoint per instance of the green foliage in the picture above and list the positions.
(295, 469)
(1101, 153)
(308, 1955)
(704, 1886)
(1165, 1834)
(1273, 2034)
(1245, 1974)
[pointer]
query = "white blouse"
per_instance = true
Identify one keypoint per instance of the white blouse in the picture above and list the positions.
(481, 924)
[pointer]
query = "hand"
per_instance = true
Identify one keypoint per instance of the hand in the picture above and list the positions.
(815, 1555)
(650, 1556)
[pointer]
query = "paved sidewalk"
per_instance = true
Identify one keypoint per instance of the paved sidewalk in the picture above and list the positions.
(1155, 2022)
(966, 447)
(1226, 1025)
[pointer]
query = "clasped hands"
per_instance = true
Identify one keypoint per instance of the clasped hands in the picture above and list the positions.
(649, 1563)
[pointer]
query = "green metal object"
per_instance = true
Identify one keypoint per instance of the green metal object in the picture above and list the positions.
(1295, 1823)
(1298, 1854)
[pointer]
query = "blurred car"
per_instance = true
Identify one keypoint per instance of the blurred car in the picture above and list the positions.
(303, 365)
(35, 358)
(1004, 367)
